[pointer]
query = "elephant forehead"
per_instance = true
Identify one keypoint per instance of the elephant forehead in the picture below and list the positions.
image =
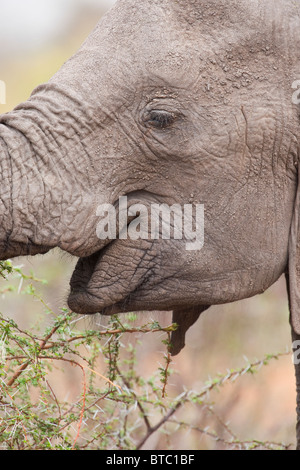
(157, 40)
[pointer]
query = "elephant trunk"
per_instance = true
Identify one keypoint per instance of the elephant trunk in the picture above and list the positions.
(21, 195)
(44, 191)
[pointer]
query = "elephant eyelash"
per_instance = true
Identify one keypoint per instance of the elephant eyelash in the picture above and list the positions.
(160, 119)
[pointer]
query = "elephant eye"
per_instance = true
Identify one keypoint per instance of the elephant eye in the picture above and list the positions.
(160, 119)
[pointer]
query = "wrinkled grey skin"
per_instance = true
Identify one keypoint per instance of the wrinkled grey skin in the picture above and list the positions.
(224, 70)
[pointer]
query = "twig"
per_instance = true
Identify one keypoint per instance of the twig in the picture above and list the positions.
(55, 399)
(18, 373)
(153, 429)
(168, 359)
(231, 375)
(18, 411)
(102, 376)
(234, 442)
(83, 405)
(140, 406)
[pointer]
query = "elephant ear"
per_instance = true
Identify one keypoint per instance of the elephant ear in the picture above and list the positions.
(293, 274)
(293, 289)
(184, 320)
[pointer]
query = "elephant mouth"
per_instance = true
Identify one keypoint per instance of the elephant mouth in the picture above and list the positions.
(107, 281)
(97, 289)
(91, 294)
(82, 298)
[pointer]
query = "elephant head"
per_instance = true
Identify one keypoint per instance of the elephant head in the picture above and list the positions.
(165, 103)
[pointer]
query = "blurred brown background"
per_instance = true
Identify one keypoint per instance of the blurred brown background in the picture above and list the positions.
(36, 37)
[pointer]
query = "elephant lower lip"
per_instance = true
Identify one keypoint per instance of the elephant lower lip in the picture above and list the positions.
(80, 302)
(90, 291)
(80, 299)
(110, 280)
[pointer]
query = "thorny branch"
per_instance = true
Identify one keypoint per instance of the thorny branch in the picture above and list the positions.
(114, 416)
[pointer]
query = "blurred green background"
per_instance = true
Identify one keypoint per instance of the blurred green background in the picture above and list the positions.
(36, 37)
